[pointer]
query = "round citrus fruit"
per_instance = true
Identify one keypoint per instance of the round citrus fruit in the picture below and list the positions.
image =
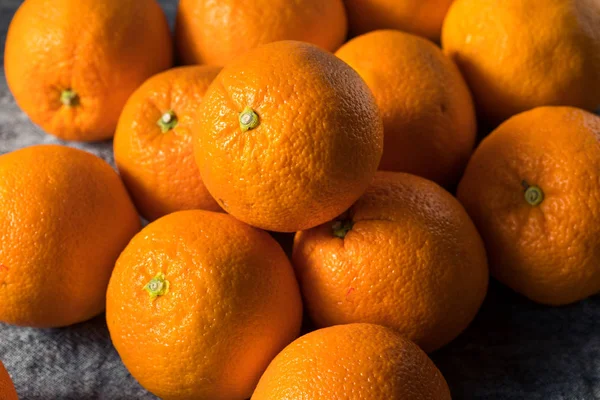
(520, 54)
(72, 64)
(532, 190)
(199, 304)
(153, 143)
(64, 218)
(428, 114)
(355, 361)
(421, 17)
(7, 389)
(406, 255)
(289, 136)
(216, 32)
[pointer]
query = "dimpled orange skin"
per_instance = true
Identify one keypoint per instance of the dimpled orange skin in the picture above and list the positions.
(217, 31)
(514, 62)
(7, 389)
(413, 261)
(316, 148)
(549, 252)
(354, 362)
(102, 50)
(233, 303)
(64, 218)
(421, 17)
(158, 167)
(428, 114)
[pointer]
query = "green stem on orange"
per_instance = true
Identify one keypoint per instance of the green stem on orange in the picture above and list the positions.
(69, 98)
(248, 119)
(158, 286)
(534, 195)
(167, 121)
(341, 228)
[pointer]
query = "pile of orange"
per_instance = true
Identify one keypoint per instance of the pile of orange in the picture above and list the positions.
(278, 123)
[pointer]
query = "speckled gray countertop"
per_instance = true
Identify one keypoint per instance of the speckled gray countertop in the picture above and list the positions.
(513, 350)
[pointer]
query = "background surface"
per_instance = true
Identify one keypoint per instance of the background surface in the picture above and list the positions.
(513, 350)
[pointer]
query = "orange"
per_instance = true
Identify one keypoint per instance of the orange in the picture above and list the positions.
(428, 114)
(355, 362)
(215, 32)
(7, 389)
(153, 143)
(521, 54)
(532, 190)
(64, 218)
(72, 64)
(288, 137)
(406, 255)
(199, 304)
(421, 17)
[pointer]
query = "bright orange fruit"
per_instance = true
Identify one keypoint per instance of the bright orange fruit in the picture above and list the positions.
(153, 143)
(520, 54)
(428, 114)
(64, 218)
(199, 304)
(356, 361)
(532, 190)
(215, 32)
(421, 17)
(406, 255)
(286, 154)
(72, 64)
(7, 389)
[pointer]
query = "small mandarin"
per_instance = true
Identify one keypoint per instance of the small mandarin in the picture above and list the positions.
(72, 64)
(285, 154)
(532, 190)
(64, 218)
(199, 304)
(428, 114)
(153, 143)
(421, 17)
(354, 362)
(216, 32)
(514, 62)
(406, 255)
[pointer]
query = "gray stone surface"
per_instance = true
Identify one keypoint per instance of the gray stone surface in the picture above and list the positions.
(514, 349)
